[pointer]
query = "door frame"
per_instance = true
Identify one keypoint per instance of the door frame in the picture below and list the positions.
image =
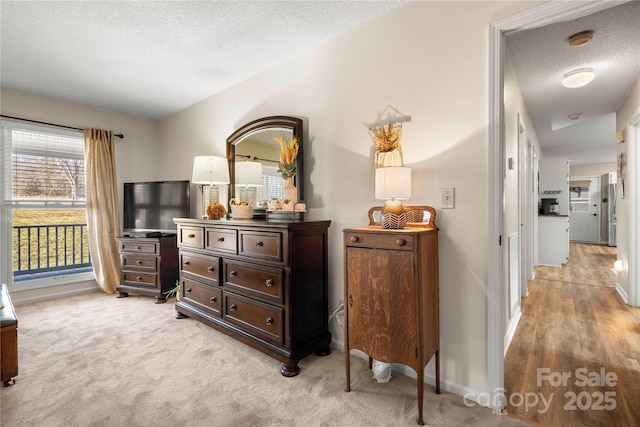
(541, 15)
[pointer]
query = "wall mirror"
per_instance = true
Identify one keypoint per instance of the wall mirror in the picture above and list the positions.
(253, 144)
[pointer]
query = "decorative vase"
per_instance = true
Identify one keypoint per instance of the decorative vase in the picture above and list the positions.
(290, 193)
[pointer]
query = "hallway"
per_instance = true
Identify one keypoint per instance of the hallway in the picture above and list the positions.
(575, 357)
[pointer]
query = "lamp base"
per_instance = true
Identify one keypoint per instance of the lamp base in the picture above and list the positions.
(392, 221)
(393, 215)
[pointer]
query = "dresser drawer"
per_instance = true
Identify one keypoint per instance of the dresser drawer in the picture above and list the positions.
(260, 319)
(139, 263)
(190, 237)
(222, 240)
(200, 267)
(202, 296)
(379, 241)
(138, 247)
(265, 283)
(141, 280)
(264, 245)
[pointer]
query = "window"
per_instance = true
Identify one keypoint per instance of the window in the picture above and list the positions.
(44, 219)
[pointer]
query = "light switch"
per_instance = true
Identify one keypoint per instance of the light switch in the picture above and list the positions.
(447, 198)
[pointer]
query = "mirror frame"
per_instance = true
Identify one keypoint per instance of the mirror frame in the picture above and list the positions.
(266, 123)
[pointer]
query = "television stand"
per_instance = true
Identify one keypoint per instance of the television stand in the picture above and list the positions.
(148, 266)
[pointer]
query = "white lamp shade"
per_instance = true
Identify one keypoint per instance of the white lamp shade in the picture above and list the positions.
(212, 170)
(393, 183)
(249, 174)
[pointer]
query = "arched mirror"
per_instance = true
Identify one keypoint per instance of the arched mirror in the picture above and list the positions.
(253, 148)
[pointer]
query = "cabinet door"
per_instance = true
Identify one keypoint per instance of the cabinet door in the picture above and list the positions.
(381, 301)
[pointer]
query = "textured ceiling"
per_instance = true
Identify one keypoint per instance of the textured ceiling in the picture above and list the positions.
(152, 58)
(543, 55)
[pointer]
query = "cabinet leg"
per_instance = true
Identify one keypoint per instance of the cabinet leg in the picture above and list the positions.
(290, 370)
(438, 371)
(347, 366)
(420, 395)
(122, 294)
(161, 299)
(323, 351)
(180, 315)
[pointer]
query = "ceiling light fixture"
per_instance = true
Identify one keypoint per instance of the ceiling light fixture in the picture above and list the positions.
(575, 116)
(581, 38)
(578, 78)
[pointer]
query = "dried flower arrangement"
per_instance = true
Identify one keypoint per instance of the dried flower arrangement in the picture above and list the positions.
(387, 139)
(287, 167)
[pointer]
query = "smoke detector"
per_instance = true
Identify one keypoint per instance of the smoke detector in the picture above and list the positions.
(581, 38)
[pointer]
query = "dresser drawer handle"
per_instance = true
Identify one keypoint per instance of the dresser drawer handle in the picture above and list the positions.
(138, 247)
(233, 274)
(269, 283)
(233, 307)
(187, 263)
(269, 321)
(188, 290)
(259, 243)
(213, 299)
(138, 262)
(220, 239)
(210, 269)
(191, 236)
(138, 279)
(401, 242)
(355, 239)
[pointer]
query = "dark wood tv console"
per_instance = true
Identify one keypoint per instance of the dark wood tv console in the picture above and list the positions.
(263, 283)
(148, 266)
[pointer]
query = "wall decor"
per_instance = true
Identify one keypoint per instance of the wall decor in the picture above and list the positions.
(622, 172)
(386, 133)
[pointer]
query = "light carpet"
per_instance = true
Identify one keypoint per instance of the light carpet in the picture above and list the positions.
(95, 360)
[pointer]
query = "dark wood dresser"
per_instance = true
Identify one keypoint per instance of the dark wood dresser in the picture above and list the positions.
(148, 266)
(263, 283)
(391, 297)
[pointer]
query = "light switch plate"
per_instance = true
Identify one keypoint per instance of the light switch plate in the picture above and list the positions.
(447, 198)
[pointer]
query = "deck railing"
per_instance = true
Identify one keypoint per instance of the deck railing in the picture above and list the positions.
(49, 248)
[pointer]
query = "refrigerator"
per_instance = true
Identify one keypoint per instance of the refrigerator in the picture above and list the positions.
(609, 205)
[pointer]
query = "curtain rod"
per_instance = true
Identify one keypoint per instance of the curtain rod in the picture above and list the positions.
(119, 135)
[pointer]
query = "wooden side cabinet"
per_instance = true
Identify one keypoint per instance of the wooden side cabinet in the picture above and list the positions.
(148, 266)
(391, 298)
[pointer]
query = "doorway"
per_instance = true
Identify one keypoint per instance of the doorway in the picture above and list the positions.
(584, 209)
(541, 15)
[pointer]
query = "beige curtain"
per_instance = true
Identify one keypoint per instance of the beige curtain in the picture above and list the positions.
(103, 220)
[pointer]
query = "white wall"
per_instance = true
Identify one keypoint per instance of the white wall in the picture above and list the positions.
(628, 108)
(592, 170)
(427, 59)
(136, 154)
(513, 107)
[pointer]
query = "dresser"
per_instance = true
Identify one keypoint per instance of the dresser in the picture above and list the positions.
(264, 284)
(391, 297)
(148, 266)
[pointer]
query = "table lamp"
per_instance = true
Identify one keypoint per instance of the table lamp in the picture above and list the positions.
(393, 184)
(209, 171)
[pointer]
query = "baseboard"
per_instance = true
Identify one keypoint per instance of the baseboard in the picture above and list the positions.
(471, 396)
(20, 297)
(623, 294)
(511, 329)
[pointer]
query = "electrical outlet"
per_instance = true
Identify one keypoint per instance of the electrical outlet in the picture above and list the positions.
(447, 198)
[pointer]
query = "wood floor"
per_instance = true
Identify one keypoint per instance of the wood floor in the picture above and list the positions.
(588, 264)
(575, 357)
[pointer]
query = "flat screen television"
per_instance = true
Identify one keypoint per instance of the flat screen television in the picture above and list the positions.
(149, 207)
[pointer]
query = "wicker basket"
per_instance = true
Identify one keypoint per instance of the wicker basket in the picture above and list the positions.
(241, 211)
